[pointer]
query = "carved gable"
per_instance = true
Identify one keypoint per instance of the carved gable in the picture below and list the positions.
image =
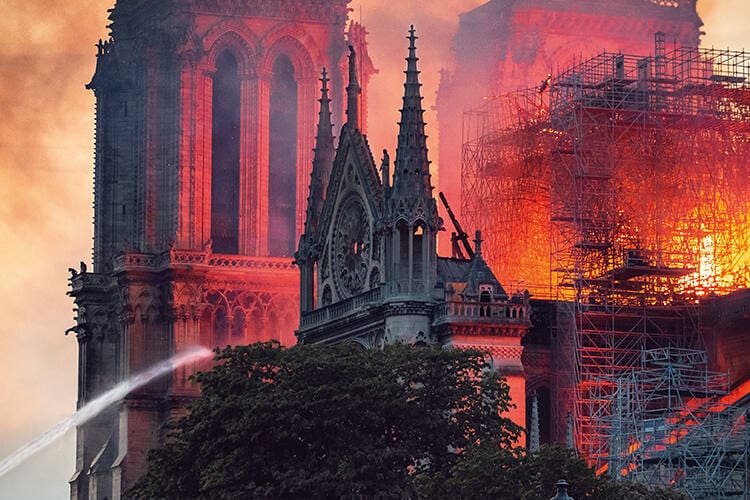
(348, 234)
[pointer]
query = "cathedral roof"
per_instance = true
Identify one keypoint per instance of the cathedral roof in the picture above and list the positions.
(470, 273)
(481, 274)
(452, 270)
(646, 9)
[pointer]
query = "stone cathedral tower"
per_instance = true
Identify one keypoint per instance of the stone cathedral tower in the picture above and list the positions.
(206, 114)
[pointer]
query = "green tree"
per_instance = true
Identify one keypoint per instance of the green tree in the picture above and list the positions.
(486, 470)
(330, 422)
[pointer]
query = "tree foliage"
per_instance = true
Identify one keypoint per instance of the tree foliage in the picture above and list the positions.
(330, 422)
(489, 471)
(340, 422)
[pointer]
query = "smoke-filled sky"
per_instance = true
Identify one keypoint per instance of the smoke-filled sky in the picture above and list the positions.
(46, 57)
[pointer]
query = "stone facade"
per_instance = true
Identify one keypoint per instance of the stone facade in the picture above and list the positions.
(205, 120)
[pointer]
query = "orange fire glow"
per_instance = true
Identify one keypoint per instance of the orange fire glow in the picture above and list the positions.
(679, 195)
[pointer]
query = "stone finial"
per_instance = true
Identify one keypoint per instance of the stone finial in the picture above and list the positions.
(411, 171)
(353, 90)
(385, 168)
(478, 242)
(322, 160)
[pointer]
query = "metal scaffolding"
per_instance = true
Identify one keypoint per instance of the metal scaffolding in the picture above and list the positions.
(635, 178)
(672, 424)
(506, 182)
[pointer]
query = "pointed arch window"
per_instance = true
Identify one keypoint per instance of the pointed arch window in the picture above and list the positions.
(411, 254)
(220, 328)
(225, 156)
(282, 159)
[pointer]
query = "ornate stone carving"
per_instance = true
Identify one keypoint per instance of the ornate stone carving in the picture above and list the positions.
(352, 247)
(327, 296)
(374, 278)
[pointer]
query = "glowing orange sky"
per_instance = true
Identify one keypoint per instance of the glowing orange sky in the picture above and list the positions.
(46, 57)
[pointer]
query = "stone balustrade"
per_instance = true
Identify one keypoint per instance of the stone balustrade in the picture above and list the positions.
(171, 258)
(341, 309)
(456, 311)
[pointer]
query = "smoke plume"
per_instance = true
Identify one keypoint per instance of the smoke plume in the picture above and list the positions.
(45, 213)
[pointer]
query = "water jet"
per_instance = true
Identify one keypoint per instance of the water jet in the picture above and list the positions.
(96, 406)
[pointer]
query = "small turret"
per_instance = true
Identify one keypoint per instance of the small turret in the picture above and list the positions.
(480, 275)
(411, 217)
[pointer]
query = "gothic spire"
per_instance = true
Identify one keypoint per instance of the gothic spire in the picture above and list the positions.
(322, 160)
(534, 431)
(411, 175)
(353, 91)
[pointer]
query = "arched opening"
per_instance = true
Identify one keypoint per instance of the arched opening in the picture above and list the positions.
(484, 299)
(225, 156)
(403, 233)
(418, 253)
(282, 159)
(221, 328)
(402, 266)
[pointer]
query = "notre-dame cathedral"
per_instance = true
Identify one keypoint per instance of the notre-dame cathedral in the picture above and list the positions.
(205, 126)
(226, 212)
(220, 214)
